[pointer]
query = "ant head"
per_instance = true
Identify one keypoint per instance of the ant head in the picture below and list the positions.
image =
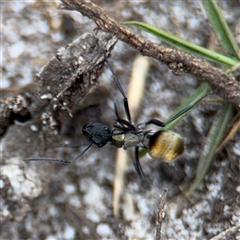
(165, 146)
(97, 133)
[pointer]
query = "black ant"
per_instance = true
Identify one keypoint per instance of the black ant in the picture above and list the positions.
(162, 145)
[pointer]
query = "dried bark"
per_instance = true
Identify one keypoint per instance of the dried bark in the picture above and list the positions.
(61, 84)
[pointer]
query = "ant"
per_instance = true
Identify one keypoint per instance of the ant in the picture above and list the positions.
(162, 145)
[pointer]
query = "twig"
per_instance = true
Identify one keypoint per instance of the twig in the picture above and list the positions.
(160, 213)
(176, 60)
(227, 232)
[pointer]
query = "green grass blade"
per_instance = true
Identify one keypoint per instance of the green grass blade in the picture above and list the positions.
(183, 44)
(221, 28)
(213, 140)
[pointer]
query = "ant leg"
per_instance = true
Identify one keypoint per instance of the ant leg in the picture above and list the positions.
(183, 111)
(137, 164)
(186, 109)
(151, 121)
(162, 124)
(125, 100)
(156, 122)
(116, 113)
(124, 124)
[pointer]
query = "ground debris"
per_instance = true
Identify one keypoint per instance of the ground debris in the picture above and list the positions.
(32, 119)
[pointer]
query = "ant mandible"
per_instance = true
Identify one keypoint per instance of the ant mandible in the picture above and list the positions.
(161, 145)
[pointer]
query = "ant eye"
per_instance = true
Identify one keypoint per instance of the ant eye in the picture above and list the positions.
(106, 129)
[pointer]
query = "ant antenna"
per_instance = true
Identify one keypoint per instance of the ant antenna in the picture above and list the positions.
(59, 160)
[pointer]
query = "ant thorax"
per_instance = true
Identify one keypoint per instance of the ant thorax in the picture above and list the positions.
(127, 139)
(126, 135)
